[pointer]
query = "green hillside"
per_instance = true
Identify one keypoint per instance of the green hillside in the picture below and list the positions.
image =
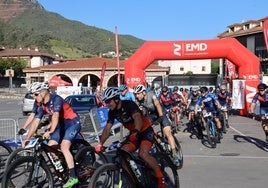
(52, 33)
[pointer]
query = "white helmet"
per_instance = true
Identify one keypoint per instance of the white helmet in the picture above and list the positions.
(139, 88)
(109, 93)
(38, 86)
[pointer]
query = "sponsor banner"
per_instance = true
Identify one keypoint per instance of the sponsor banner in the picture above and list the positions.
(231, 69)
(238, 94)
(265, 32)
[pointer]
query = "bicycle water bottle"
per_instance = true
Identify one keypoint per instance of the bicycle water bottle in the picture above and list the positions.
(136, 170)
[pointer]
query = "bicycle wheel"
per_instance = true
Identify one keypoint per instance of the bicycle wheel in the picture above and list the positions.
(223, 122)
(170, 172)
(87, 161)
(26, 172)
(20, 152)
(5, 151)
(110, 175)
(211, 134)
(179, 153)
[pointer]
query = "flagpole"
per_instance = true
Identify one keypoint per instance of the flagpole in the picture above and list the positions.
(117, 57)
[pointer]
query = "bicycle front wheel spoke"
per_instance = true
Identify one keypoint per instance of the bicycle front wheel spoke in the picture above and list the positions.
(25, 173)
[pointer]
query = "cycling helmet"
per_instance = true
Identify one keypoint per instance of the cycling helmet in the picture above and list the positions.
(110, 93)
(139, 88)
(122, 87)
(262, 86)
(164, 89)
(203, 89)
(175, 88)
(38, 86)
(223, 87)
(195, 89)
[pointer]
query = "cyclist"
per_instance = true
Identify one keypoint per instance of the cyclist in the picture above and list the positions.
(192, 99)
(167, 100)
(128, 113)
(262, 97)
(224, 97)
(31, 120)
(179, 104)
(155, 112)
(209, 103)
(125, 93)
(63, 128)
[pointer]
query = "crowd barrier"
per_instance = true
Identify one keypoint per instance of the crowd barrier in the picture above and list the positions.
(8, 132)
(93, 122)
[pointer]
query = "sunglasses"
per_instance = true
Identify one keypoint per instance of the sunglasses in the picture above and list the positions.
(36, 94)
(108, 101)
(261, 90)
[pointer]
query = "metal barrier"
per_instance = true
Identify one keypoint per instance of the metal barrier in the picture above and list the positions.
(94, 121)
(8, 131)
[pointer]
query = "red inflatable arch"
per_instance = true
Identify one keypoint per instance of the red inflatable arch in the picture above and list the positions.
(231, 49)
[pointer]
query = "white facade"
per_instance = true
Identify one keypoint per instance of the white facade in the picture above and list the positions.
(202, 66)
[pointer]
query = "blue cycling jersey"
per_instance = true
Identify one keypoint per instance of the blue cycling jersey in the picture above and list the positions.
(128, 96)
(209, 102)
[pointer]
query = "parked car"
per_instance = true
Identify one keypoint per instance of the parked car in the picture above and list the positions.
(84, 102)
(27, 104)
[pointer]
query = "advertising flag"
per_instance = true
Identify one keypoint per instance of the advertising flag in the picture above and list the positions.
(231, 69)
(103, 69)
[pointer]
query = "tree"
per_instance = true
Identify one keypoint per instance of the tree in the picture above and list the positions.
(12, 63)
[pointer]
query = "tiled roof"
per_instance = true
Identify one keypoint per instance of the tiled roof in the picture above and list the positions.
(256, 29)
(88, 64)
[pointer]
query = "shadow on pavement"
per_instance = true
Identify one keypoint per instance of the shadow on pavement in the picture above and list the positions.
(257, 142)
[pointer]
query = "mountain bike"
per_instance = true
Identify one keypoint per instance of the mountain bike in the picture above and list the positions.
(48, 162)
(129, 170)
(212, 134)
(5, 151)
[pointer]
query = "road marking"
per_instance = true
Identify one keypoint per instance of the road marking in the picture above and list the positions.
(220, 156)
(250, 139)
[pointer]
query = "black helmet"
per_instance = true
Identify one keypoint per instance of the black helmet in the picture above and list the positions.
(176, 88)
(164, 89)
(203, 89)
(262, 86)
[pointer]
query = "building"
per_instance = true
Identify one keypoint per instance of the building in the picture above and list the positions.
(33, 57)
(87, 72)
(250, 34)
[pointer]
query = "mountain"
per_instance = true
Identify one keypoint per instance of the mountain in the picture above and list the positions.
(25, 23)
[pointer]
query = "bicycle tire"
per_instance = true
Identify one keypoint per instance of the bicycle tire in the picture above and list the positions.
(87, 160)
(211, 134)
(5, 151)
(19, 152)
(111, 175)
(19, 174)
(223, 122)
(171, 175)
(179, 153)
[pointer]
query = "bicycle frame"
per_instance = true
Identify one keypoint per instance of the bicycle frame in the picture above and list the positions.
(211, 129)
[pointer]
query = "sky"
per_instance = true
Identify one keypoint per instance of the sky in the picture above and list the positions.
(163, 20)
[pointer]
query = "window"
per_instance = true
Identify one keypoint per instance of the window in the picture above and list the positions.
(181, 68)
(203, 69)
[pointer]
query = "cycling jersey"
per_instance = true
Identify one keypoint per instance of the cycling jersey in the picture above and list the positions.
(209, 102)
(124, 115)
(167, 101)
(128, 96)
(223, 98)
(57, 104)
(193, 100)
(263, 99)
